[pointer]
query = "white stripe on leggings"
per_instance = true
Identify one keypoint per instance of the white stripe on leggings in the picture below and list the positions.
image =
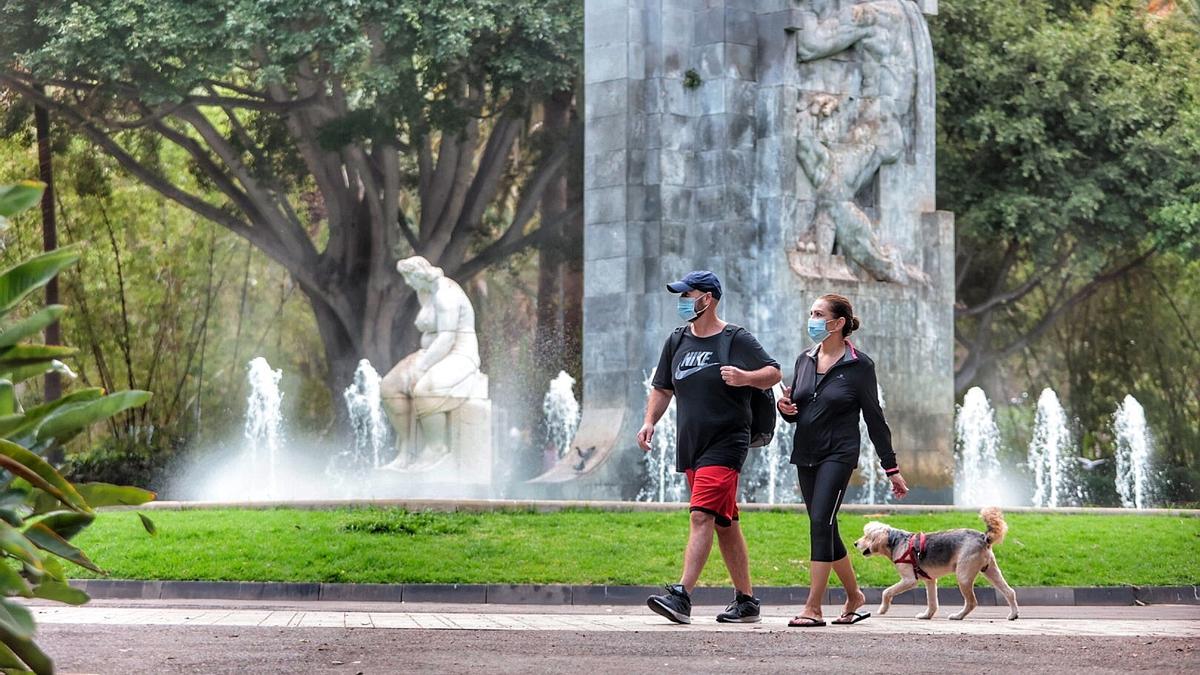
(836, 505)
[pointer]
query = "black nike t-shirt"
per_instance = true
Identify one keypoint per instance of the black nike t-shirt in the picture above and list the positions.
(712, 418)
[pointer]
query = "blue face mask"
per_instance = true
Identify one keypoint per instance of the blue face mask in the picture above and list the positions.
(686, 307)
(817, 330)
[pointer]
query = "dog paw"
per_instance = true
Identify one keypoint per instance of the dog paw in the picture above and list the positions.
(883, 609)
(925, 615)
(1012, 617)
(957, 617)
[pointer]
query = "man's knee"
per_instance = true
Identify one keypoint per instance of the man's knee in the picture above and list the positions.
(703, 519)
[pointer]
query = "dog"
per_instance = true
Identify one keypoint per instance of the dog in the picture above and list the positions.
(965, 552)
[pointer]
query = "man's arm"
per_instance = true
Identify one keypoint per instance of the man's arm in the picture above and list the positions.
(763, 378)
(656, 405)
(816, 39)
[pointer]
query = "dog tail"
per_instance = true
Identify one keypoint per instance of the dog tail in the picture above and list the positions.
(996, 527)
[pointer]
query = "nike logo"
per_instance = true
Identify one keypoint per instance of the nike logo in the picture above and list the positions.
(693, 362)
(681, 374)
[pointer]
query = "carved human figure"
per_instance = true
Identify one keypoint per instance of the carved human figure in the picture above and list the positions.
(424, 387)
(843, 140)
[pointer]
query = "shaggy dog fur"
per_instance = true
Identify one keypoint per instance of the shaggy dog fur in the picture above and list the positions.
(966, 553)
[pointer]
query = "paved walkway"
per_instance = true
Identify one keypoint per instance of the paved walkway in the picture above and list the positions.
(184, 637)
(1165, 621)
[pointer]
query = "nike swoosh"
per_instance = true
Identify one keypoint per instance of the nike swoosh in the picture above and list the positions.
(684, 374)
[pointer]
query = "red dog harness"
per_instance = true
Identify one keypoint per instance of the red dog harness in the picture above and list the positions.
(916, 549)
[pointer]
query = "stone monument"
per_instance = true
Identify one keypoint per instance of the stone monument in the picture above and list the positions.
(787, 145)
(437, 397)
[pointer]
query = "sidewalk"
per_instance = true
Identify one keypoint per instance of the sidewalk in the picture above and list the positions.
(157, 636)
(1161, 621)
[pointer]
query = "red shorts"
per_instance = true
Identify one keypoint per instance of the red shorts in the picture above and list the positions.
(714, 491)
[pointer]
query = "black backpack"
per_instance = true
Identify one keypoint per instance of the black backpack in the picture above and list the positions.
(762, 401)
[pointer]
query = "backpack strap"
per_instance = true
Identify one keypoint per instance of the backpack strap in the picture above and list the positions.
(676, 340)
(730, 333)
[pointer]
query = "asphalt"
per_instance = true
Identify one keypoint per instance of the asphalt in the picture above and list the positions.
(156, 636)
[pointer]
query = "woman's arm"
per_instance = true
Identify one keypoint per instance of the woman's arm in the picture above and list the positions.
(877, 426)
(787, 402)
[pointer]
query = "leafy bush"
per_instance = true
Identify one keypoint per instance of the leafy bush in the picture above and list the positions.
(40, 511)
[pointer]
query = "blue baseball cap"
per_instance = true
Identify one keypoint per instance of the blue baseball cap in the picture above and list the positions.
(700, 280)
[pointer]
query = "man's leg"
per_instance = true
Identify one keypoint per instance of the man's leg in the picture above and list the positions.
(699, 545)
(736, 556)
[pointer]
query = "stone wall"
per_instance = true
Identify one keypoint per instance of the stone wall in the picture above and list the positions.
(690, 163)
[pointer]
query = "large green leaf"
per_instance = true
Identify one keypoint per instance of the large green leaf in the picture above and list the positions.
(67, 421)
(66, 524)
(151, 528)
(19, 374)
(60, 592)
(48, 540)
(16, 545)
(12, 583)
(26, 327)
(20, 196)
(21, 430)
(107, 494)
(30, 275)
(16, 633)
(8, 399)
(28, 355)
(23, 463)
(9, 661)
(16, 619)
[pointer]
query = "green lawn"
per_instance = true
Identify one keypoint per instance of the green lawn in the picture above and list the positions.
(593, 547)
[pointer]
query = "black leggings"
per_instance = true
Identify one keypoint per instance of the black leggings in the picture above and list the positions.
(823, 487)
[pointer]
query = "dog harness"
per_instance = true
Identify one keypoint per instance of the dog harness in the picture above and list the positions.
(911, 555)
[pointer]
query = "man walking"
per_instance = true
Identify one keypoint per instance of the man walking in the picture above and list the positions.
(713, 437)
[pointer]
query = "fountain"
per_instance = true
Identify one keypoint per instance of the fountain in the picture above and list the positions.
(768, 477)
(1134, 484)
(663, 484)
(1051, 455)
(561, 412)
(978, 474)
(264, 422)
(875, 481)
(372, 433)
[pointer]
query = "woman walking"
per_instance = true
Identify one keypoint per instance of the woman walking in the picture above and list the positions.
(833, 382)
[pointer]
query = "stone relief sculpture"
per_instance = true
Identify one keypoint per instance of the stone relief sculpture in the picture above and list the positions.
(422, 391)
(844, 137)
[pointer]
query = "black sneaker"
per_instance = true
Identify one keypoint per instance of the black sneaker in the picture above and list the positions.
(743, 609)
(676, 605)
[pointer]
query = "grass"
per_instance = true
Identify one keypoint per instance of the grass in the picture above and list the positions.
(594, 547)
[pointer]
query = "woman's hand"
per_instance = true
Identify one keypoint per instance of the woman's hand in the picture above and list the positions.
(785, 404)
(899, 487)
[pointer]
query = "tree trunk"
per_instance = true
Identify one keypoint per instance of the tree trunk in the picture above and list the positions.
(53, 383)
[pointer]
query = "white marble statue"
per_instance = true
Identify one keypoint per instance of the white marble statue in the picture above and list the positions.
(424, 389)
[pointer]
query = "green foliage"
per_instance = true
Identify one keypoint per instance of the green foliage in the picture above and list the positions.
(41, 511)
(1067, 149)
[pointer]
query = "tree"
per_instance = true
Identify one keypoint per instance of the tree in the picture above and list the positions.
(340, 135)
(1065, 152)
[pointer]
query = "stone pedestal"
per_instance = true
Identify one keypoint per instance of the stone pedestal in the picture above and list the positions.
(691, 163)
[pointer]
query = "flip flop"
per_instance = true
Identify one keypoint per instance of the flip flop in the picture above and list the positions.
(805, 622)
(858, 616)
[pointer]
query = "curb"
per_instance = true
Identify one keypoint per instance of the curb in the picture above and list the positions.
(550, 506)
(583, 595)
